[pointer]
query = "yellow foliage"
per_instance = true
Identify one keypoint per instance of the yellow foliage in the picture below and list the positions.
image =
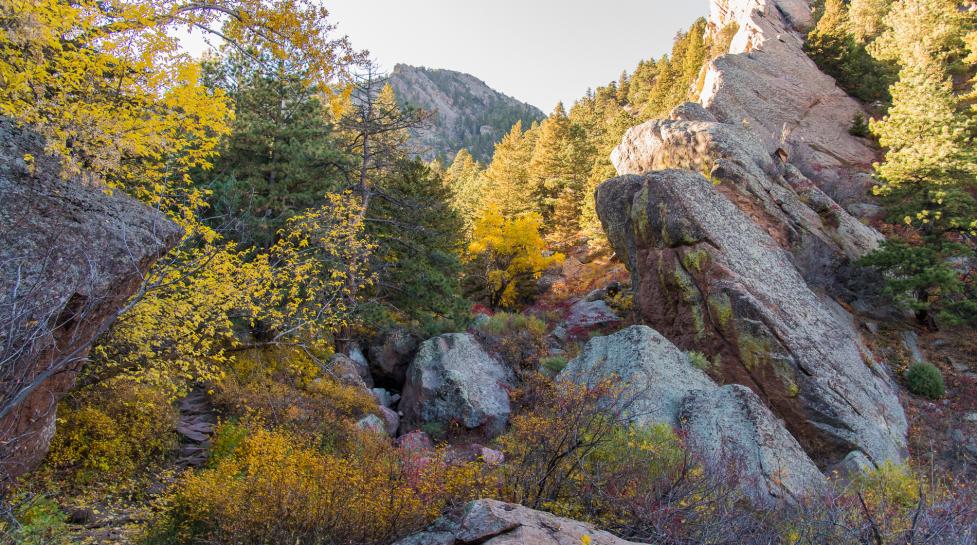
(274, 488)
(507, 254)
(115, 430)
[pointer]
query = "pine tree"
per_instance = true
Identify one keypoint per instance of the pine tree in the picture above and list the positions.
(548, 171)
(929, 165)
(865, 18)
(466, 181)
(420, 239)
(281, 157)
(507, 178)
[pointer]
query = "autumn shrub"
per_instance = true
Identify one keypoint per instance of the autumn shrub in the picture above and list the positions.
(106, 434)
(287, 388)
(276, 487)
(519, 340)
(33, 520)
(925, 379)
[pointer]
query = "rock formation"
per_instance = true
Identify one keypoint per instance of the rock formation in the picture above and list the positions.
(710, 278)
(70, 256)
(729, 428)
(769, 85)
(452, 379)
(467, 113)
(490, 522)
(736, 242)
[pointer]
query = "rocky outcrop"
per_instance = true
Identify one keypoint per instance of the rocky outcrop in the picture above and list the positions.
(768, 84)
(490, 522)
(453, 380)
(658, 376)
(731, 428)
(467, 113)
(728, 428)
(823, 239)
(390, 355)
(711, 277)
(71, 255)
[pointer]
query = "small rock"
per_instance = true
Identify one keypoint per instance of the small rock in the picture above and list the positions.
(481, 319)
(970, 417)
(391, 354)
(492, 457)
(347, 371)
(856, 463)
(872, 326)
(384, 397)
(415, 441)
(373, 423)
(590, 314)
(911, 341)
(391, 421)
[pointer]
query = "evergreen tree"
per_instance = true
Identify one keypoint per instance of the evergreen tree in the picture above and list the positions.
(929, 165)
(420, 239)
(466, 181)
(507, 178)
(838, 53)
(865, 18)
(281, 156)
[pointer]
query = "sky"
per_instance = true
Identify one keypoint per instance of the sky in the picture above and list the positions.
(539, 51)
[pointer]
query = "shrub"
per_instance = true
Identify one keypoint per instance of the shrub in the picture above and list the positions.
(37, 520)
(287, 389)
(859, 126)
(553, 364)
(925, 379)
(518, 339)
(276, 487)
(109, 433)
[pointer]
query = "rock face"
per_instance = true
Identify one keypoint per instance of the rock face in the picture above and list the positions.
(711, 278)
(658, 375)
(822, 238)
(490, 522)
(452, 379)
(768, 84)
(390, 356)
(729, 427)
(70, 257)
(468, 114)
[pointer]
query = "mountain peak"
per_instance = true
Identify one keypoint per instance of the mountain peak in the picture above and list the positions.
(468, 114)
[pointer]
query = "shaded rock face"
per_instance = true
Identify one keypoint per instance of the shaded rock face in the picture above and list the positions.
(490, 522)
(658, 375)
(452, 379)
(768, 84)
(70, 257)
(709, 277)
(823, 239)
(390, 356)
(729, 428)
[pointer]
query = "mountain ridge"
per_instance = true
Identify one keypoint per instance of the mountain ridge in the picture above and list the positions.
(467, 112)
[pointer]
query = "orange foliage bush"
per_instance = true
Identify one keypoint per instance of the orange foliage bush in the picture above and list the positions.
(276, 488)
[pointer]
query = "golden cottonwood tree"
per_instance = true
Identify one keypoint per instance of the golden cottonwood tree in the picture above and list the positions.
(507, 254)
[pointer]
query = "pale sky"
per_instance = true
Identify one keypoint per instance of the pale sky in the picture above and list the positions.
(538, 51)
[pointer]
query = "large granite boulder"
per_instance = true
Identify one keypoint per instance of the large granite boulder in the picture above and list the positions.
(769, 85)
(491, 522)
(709, 277)
(71, 255)
(453, 380)
(656, 374)
(822, 238)
(728, 428)
(731, 428)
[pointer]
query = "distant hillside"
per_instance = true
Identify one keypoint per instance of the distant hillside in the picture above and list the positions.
(467, 112)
